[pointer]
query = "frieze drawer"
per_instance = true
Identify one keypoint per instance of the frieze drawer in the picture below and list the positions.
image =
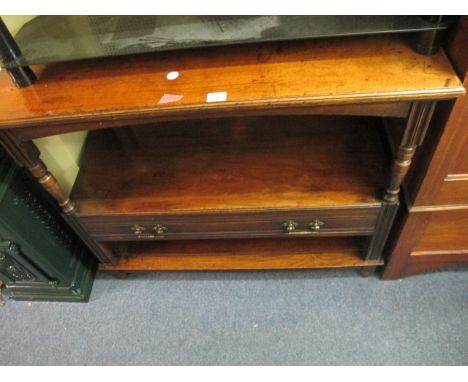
(317, 222)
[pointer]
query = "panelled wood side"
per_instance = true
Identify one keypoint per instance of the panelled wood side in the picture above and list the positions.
(432, 229)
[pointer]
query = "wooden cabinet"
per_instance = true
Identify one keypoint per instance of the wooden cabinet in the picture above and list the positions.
(288, 168)
(432, 228)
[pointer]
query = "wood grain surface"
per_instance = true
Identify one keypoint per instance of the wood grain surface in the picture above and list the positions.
(242, 254)
(447, 231)
(258, 76)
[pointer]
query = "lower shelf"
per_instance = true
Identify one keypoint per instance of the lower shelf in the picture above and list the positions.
(242, 254)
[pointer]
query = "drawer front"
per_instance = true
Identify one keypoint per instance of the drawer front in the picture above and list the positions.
(447, 231)
(322, 222)
(453, 191)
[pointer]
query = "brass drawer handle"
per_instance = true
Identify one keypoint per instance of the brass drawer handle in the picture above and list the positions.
(316, 225)
(137, 229)
(157, 231)
(291, 226)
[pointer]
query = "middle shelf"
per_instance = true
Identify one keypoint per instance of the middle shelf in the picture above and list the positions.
(237, 177)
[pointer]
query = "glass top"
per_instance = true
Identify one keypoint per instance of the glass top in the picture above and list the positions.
(47, 39)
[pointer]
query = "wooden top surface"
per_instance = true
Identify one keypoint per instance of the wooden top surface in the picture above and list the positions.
(309, 72)
(227, 164)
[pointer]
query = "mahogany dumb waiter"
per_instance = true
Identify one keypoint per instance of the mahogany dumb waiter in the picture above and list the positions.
(262, 156)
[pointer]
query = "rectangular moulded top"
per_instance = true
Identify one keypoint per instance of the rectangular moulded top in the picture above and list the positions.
(253, 77)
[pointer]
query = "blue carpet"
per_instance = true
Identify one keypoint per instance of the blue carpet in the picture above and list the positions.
(247, 318)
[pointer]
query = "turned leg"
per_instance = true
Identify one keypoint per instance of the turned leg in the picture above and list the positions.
(415, 130)
(27, 154)
(48, 181)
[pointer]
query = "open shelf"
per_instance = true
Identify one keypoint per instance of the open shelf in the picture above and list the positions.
(242, 254)
(268, 163)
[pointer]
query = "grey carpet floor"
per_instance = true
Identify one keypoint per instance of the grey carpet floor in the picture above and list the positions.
(247, 318)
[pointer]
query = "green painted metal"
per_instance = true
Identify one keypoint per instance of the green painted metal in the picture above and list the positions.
(40, 257)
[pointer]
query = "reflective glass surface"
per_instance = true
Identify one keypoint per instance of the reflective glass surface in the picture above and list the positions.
(47, 39)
